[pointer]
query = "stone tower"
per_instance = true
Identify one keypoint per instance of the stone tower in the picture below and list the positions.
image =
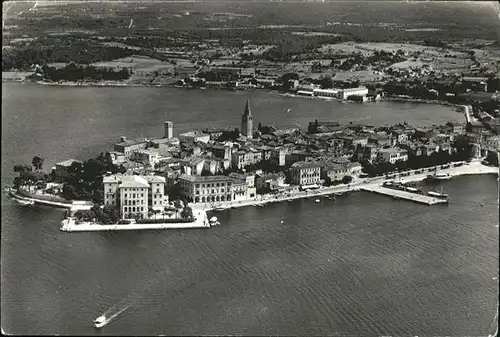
(247, 121)
(169, 130)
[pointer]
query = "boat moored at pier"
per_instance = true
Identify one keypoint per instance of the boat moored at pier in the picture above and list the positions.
(439, 176)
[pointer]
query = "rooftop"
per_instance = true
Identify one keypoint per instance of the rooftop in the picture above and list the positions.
(392, 150)
(127, 180)
(195, 133)
(67, 163)
(133, 142)
(196, 178)
(303, 164)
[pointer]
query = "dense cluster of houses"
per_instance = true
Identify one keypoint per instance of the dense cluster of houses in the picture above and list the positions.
(203, 169)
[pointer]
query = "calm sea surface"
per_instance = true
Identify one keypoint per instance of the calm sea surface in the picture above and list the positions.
(363, 265)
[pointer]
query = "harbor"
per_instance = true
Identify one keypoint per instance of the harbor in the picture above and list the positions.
(404, 195)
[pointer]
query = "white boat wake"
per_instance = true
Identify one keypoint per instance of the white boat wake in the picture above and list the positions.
(117, 309)
(133, 297)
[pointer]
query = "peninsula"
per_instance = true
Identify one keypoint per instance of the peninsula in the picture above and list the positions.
(171, 181)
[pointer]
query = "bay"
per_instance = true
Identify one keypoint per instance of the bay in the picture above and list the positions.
(363, 265)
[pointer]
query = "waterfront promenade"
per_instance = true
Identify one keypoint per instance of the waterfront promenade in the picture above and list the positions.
(474, 167)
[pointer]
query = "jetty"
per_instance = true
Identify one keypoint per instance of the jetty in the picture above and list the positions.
(404, 195)
(70, 225)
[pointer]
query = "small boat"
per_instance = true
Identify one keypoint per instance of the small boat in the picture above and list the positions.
(213, 221)
(439, 176)
(220, 209)
(317, 200)
(439, 195)
(100, 321)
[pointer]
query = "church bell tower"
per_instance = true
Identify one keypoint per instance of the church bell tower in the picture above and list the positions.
(247, 121)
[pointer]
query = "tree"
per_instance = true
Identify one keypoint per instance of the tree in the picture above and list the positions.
(22, 168)
(187, 213)
(69, 192)
(326, 82)
(346, 180)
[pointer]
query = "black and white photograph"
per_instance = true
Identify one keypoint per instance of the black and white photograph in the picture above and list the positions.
(250, 168)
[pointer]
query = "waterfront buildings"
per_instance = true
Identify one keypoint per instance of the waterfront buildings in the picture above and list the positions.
(305, 173)
(135, 195)
(333, 93)
(240, 190)
(360, 91)
(247, 121)
(269, 181)
(337, 171)
(195, 188)
(61, 170)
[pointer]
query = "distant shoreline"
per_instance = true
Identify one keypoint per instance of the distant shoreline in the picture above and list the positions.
(122, 84)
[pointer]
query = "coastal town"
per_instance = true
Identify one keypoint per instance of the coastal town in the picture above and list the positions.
(171, 181)
(313, 167)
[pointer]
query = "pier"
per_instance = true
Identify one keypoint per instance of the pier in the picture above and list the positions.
(70, 225)
(420, 198)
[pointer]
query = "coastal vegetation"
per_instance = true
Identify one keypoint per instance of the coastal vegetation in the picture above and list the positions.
(75, 72)
(463, 152)
(84, 180)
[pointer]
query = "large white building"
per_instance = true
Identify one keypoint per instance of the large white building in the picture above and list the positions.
(327, 92)
(360, 91)
(133, 194)
(305, 173)
(203, 189)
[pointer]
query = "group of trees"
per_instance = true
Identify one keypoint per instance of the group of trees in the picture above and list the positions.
(85, 179)
(65, 50)
(105, 215)
(229, 135)
(74, 72)
(382, 58)
(28, 176)
(345, 180)
(463, 152)
(264, 129)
